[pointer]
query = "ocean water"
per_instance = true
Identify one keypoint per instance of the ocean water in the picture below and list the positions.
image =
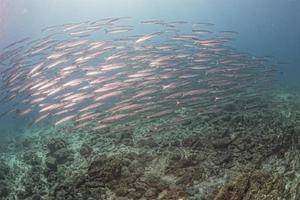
(265, 27)
(149, 99)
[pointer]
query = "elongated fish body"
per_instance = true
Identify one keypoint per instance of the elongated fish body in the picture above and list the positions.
(99, 72)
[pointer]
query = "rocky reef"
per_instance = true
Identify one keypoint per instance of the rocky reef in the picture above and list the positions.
(229, 156)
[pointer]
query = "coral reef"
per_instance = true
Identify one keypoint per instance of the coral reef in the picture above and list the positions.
(229, 156)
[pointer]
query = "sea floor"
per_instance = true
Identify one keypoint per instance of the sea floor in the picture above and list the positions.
(229, 156)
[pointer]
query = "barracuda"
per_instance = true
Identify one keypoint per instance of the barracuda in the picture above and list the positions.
(89, 73)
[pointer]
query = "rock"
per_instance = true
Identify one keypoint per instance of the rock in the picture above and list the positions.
(4, 189)
(141, 188)
(126, 134)
(4, 170)
(200, 156)
(255, 185)
(36, 178)
(21, 194)
(85, 150)
(174, 194)
(26, 143)
(125, 172)
(176, 156)
(149, 142)
(51, 163)
(54, 144)
(221, 143)
(134, 195)
(230, 107)
(62, 155)
(193, 142)
(36, 197)
(226, 118)
(123, 198)
(151, 192)
(223, 158)
(186, 122)
(237, 119)
(61, 194)
(94, 184)
(31, 158)
(192, 191)
(155, 182)
(135, 166)
(189, 175)
(122, 191)
(106, 170)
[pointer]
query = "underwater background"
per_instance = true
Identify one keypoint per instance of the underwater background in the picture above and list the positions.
(265, 27)
(193, 99)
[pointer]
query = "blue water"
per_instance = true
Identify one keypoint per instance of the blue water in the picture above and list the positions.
(268, 27)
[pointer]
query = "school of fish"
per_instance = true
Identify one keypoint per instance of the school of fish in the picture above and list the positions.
(101, 73)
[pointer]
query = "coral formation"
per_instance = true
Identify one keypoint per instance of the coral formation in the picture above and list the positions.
(233, 156)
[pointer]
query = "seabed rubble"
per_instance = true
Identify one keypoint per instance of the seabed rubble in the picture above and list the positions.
(228, 156)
